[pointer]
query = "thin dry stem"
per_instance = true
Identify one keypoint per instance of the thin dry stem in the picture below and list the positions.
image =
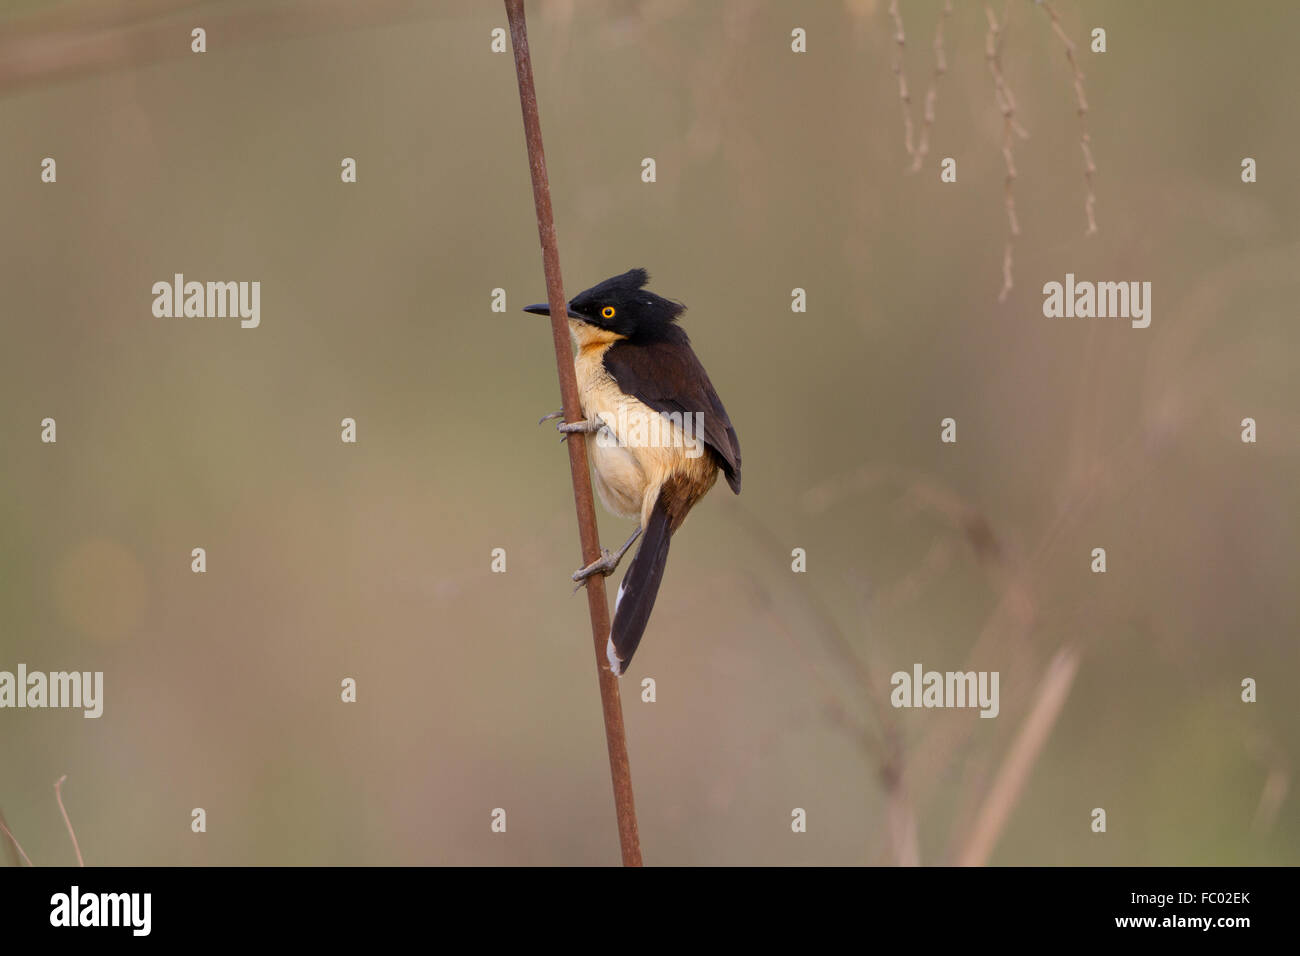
(1007, 283)
(584, 501)
(900, 812)
(1014, 772)
(18, 846)
(884, 749)
(932, 94)
(1006, 104)
(833, 636)
(1271, 798)
(904, 97)
(1277, 782)
(58, 795)
(1085, 141)
(918, 149)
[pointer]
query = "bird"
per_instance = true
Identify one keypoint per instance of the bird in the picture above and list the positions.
(657, 434)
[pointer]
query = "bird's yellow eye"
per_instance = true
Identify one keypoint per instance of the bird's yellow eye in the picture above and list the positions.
(607, 312)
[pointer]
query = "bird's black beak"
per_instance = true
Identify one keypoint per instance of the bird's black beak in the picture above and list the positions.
(543, 308)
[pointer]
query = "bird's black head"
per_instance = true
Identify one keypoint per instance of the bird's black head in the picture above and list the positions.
(624, 306)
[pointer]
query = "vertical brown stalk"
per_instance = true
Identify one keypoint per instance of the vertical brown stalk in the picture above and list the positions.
(615, 738)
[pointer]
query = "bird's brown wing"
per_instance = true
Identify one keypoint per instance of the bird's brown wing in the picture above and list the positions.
(666, 375)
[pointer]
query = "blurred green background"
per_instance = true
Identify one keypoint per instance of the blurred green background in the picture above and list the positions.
(775, 170)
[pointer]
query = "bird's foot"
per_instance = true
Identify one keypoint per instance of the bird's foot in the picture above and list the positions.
(571, 428)
(605, 565)
(607, 562)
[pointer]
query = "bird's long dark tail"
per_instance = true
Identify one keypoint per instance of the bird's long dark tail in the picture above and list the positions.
(636, 595)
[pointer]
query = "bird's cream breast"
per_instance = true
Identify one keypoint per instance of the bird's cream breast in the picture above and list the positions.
(638, 450)
(619, 477)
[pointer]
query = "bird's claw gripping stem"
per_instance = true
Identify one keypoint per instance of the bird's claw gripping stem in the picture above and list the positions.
(605, 565)
(607, 562)
(573, 428)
